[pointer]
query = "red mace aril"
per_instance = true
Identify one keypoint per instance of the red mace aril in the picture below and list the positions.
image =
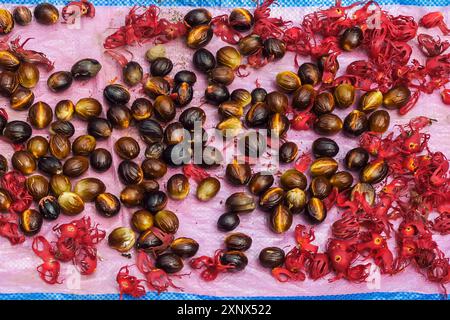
(77, 9)
(346, 228)
(212, 265)
(14, 183)
(265, 25)
(156, 279)
(195, 172)
(143, 24)
(430, 46)
(433, 20)
(128, 284)
(304, 238)
(9, 229)
(302, 120)
(319, 266)
(30, 56)
(445, 95)
(49, 270)
(223, 29)
(303, 162)
(442, 223)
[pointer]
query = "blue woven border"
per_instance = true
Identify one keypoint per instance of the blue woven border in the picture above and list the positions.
(188, 296)
(233, 3)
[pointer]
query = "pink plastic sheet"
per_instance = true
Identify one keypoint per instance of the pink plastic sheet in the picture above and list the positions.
(197, 220)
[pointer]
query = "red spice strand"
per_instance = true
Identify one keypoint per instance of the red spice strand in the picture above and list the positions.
(304, 238)
(10, 231)
(195, 172)
(30, 55)
(346, 228)
(14, 183)
(319, 266)
(303, 162)
(128, 284)
(302, 120)
(212, 265)
(49, 271)
(86, 260)
(445, 95)
(430, 46)
(224, 30)
(117, 56)
(266, 26)
(433, 20)
(284, 275)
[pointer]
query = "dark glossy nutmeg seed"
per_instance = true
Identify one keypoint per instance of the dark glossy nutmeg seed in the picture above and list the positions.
(293, 178)
(37, 146)
(107, 204)
(192, 116)
(132, 73)
(156, 86)
(240, 202)
(228, 56)
(119, 117)
(89, 188)
(99, 128)
(204, 60)
(355, 123)
(21, 99)
(344, 95)
(257, 115)
(59, 183)
(320, 187)
(278, 125)
(130, 172)
(238, 241)
(46, 13)
(274, 48)
(323, 103)
(24, 162)
(84, 145)
(100, 160)
(5, 201)
(178, 187)
(142, 220)
(150, 131)
(197, 17)
(351, 38)
(164, 108)
(22, 15)
(28, 75)
(7, 59)
(9, 83)
(64, 110)
(271, 198)
(155, 201)
(309, 73)
(258, 95)
(316, 210)
(230, 109)
(364, 189)
(288, 81)
(341, 180)
(304, 97)
(149, 242)
(59, 146)
(237, 259)
(241, 19)
(295, 200)
(222, 75)
(122, 239)
(238, 173)
(199, 36)
(228, 221)
(75, 166)
(288, 152)
(59, 81)
(374, 172)
(153, 168)
(17, 131)
(177, 155)
(208, 189)
(328, 124)
(323, 167)
(182, 94)
(65, 128)
(3, 165)
(132, 196)
(280, 219)
(325, 147)
(70, 203)
(154, 150)
(184, 247)
(149, 185)
(185, 76)
(167, 221)
(396, 97)
(161, 67)
(260, 182)
(169, 262)
(216, 94)
(116, 94)
(30, 222)
(50, 165)
(250, 44)
(127, 148)
(141, 109)
(356, 159)
(370, 101)
(252, 145)
(49, 208)
(40, 115)
(88, 108)
(379, 121)
(277, 102)
(242, 97)
(85, 69)
(38, 187)
(271, 257)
